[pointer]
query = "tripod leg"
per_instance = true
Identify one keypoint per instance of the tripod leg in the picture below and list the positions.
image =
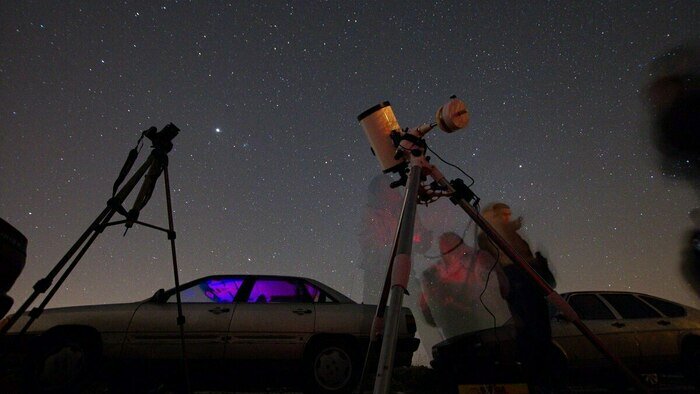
(180, 316)
(43, 284)
(36, 312)
(379, 312)
(399, 278)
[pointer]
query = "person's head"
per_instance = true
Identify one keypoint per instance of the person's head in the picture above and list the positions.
(451, 244)
(497, 213)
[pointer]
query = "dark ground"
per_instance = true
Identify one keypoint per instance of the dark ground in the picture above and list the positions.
(416, 379)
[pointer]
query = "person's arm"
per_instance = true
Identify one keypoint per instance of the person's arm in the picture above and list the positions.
(485, 244)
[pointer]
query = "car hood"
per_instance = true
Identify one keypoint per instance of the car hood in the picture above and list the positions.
(104, 318)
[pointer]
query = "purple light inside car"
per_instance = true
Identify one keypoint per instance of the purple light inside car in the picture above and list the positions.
(271, 291)
(222, 290)
(277, 290)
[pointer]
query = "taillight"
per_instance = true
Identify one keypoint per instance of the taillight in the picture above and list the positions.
(410, 323)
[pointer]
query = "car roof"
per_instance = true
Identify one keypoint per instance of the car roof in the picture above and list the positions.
(603, 292)
(570, 293)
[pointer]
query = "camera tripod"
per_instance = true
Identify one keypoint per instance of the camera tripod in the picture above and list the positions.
(411, 147)
(150, 170)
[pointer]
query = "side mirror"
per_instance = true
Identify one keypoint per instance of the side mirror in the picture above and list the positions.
(159, 296)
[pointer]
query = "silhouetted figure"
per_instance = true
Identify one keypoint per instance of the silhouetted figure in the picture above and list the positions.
(525, 299)
(13, 252)
(690, 267)
(674, 95)
(453, 289)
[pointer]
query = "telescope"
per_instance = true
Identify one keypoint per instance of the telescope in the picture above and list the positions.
(402, 151)
(383, 130)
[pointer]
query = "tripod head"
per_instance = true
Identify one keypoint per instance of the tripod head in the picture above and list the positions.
(157, 161)
(162, 140)
(162, 144)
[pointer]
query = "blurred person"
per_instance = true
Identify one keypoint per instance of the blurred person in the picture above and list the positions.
(378, 227)
(690, 267)
(456, 285)
(13, 254)
(525, 299)
(673, 94)
(674, 97)
(695, 239)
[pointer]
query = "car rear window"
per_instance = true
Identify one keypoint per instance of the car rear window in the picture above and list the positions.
(590, 307)
(667, 308)
(277, 290)
(630, 307)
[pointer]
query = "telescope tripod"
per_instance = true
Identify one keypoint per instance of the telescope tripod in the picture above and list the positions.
(398, 272)
(150, 170)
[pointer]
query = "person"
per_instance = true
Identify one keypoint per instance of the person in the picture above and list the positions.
(459, 294)
(695, 238)
(378, 227)
(13, 254)
(525, 299)
(674, 94)
(690, 266)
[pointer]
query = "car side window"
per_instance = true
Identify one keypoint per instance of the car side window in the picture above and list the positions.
(630, 307)
(590, 307)
(317, 295)
(217, 290)
(667, 308)
(278, 290)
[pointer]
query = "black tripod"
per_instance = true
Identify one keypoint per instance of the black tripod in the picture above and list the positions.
(150, 170)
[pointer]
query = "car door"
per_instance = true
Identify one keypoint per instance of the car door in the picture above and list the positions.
(657, 335)
(207, 305)
(612, 331)
(274, 321)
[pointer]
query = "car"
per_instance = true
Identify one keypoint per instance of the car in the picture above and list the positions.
(237, 318)
(649, 334)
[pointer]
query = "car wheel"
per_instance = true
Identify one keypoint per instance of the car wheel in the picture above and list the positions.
(331, 367)
(691, 362)
(61, 363)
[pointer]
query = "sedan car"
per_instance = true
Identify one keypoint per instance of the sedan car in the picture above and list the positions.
(650, 335)
(228, 318)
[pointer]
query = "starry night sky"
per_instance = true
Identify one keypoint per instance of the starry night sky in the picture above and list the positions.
(270, 171)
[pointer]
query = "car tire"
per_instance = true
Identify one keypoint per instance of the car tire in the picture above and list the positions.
(331, 366)
(691, 362)
(62, 362)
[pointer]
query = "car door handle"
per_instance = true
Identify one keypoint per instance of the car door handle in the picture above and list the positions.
(302, 311)
(219, 310)
(618, 325)
(663, 322)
